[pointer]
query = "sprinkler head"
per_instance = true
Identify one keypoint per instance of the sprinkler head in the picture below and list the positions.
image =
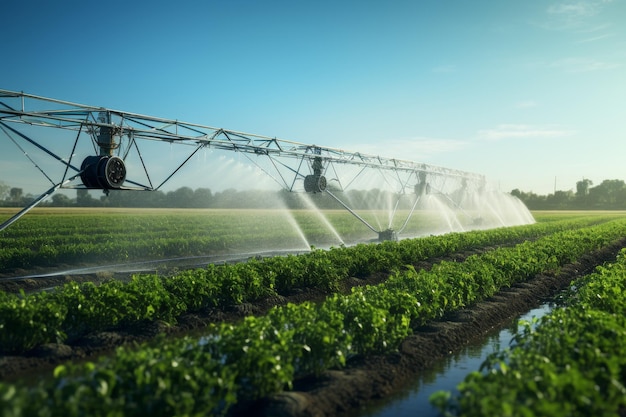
(314, 183)
(388, 234)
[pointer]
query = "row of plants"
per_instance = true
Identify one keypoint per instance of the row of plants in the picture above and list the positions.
(93, 237)
(160, 223)
(263, 355)
(73, 310)
(571, 362)
(97, 238)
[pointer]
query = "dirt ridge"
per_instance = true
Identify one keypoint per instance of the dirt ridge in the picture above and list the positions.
(364, 379)
(337, 391)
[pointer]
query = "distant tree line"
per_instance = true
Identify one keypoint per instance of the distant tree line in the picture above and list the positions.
(186, 197)
(608, 195)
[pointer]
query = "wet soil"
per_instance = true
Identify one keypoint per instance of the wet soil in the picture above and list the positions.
(335, 392)
(364, 379)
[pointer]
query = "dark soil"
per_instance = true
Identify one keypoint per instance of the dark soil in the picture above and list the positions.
(368, 378)
(336, 391)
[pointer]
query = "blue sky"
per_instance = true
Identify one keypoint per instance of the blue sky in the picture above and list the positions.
(529, 93)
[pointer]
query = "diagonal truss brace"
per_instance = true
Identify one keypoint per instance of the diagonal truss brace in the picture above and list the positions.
(20, 110)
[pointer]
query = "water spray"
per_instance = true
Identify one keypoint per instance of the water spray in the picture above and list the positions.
(292, 165)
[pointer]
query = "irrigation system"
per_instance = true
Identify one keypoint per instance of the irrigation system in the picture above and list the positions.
(115, 137)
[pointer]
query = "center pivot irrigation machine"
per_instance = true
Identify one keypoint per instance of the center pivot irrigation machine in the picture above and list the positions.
(106, 149)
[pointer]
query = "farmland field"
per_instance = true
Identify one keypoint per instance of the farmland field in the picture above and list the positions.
(57, 239)
(317, 333)
(53, 237)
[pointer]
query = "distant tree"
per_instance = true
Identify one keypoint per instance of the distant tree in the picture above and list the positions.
(150, 198)
(610, 194)
(16, 194)
(4, 191)
(531, 200)
(182, 197)
(228, 198)
(290, 200)
(560, 200)
(582, 188)
(114, 198)
(582, 194)
(61, 200)
(84, 199)
(202, 198)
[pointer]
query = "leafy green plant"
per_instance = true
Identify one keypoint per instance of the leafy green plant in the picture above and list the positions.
(569, 363)
(28, 321)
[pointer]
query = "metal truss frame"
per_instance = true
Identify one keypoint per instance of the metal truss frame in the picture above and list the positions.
(291, 161)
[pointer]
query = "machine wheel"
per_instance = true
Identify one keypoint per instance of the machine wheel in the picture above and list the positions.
(103, 172)
(314, 183)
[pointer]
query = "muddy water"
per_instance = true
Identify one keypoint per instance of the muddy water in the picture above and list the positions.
(446, 375)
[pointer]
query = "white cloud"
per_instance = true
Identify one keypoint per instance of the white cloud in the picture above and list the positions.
(579, 64)
(572, 10)
(574, 15)
(521, 131)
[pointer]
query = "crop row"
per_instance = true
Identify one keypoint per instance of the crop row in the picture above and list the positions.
(262, 355)
(571, 362)
(97, 238)
(76, 309)
(42, 241)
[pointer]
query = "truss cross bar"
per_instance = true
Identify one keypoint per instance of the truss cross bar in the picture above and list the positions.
(55, 156)
(355, 214)
(408, 217)
(36, 201)
(72, 116)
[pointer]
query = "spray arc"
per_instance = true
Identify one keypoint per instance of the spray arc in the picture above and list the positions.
(105, 149)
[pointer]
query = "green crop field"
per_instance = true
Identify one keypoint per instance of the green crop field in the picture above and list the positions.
(230, 363)
(81, 236)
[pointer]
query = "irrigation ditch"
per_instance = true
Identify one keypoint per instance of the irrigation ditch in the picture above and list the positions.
(340, 392)
(335, 392)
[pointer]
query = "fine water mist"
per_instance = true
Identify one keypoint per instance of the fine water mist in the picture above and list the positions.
(435, 212)
(491, 209)
(327, 225)
(263, 217)
(359, 205)
(274, 194)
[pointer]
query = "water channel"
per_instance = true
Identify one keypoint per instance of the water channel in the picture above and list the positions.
(446, 374)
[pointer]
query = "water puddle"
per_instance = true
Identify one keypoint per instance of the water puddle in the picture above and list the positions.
(446, 374)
